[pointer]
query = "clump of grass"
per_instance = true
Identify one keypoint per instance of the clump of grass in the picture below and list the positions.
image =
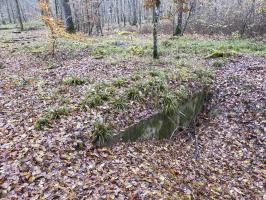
(56, 113)
(181, 92)
(91, 101)
(204, 76)
(156, 73)
(106, 93)
(152, 86)
(98, 95)
(133, 93)
(51, 114)
(119, 103)
(119, 82)
(167, 43)
(221, 54)
(218, 63)
(99, 51)
(41, 123)
(169, 102)
(136, 50)
(135, 77)
(101, 132)
(72, 45)
(64, 100)
(36, 47)
(74, 81)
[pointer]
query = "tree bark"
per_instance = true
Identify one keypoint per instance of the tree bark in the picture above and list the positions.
(155, 28)
(68, 21)
(19, 15)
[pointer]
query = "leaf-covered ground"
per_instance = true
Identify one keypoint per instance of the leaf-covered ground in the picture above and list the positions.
(223, 158)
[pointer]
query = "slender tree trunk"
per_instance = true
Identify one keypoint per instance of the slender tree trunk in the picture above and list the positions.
(155, 29)
(192, 7)
(19, 15)
(68, 21)
(56, 8)
(178, 29)
(135, 19)
(8, 11)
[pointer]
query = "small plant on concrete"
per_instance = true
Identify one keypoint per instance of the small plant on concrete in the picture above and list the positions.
(181, 92)
(169, 102)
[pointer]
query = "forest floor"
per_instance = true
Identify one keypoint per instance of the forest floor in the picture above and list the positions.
(223, 158)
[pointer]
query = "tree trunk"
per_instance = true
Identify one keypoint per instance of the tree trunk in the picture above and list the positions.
(134, 6)
(155, 29)
(68, 21)
(178, 29)
(8, 11)
(19, 15)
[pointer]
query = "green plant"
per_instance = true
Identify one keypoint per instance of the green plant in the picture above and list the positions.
(101, 132)
(56, 113)
(119, 82)
(73, 81)
(48, 115)
(41, 123)
(91, 101)
(135, 77)
(136, 50)
(119, 103)
(106, 93)
(99, 51)
(125, 33)
(167, 43)
(133, 93)
(157, 73)
(169, 102)
(181, 92)
(221, 54)
(217, 63)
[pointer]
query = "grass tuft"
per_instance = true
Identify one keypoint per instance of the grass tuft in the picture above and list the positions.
(74, 81)
(101, 132)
